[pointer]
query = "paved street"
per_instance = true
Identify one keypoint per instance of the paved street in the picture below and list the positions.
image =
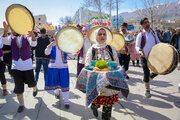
(163, 105)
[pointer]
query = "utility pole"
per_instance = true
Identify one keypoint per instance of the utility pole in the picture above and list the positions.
(117, 21)
(100, 10)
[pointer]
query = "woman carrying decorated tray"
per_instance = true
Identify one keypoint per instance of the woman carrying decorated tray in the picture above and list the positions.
(102, 51)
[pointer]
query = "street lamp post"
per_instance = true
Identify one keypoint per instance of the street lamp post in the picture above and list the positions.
(117, 28)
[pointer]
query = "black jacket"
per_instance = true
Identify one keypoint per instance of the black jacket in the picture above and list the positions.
(42, 43)
(174, 41)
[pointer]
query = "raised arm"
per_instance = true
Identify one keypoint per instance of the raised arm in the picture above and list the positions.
(32, 39)
(88, 57)
(49, 48)
(5, 38)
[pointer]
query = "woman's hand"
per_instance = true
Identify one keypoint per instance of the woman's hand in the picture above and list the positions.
(77, 53)
(51, 44)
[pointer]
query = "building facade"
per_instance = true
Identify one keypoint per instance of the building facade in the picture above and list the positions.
(84, 15)
(40, 19)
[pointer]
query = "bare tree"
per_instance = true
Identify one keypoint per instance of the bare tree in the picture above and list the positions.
(96, 4)
(65, 20)
(111, 5)
(153, 9)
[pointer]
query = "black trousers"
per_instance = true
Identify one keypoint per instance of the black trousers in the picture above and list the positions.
(146, 70)
(124, 61)
(21, 78)
(2, 76)
(8, 62)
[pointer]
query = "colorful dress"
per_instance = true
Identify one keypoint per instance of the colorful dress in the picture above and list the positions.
(57, 75)
(107, 97)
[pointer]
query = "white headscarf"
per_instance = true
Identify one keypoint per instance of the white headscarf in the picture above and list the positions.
(97, 44)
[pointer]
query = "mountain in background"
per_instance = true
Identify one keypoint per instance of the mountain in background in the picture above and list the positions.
(172, 13)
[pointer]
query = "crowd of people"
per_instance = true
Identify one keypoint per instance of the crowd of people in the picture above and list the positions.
(16, 52)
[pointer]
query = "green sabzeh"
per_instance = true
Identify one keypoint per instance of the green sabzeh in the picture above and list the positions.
(101, 64)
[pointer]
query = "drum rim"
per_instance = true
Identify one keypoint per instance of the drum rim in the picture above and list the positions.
(62, 29)
(118, 34)
(170, 68)
(90, 32)
(174, 64)
(6, 15)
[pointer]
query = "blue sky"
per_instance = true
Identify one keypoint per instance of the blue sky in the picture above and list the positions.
(54, 9)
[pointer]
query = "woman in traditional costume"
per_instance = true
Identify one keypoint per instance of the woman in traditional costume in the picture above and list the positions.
(103, 51)
(83, 51)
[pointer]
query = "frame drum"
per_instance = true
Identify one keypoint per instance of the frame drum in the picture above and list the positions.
(162, 59)
(118, 41)
(20, 19)
(69, 39)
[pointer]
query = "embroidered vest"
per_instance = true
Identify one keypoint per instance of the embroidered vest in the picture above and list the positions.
(143, 39)
(94, 53)
(23, 51)
(53, 55)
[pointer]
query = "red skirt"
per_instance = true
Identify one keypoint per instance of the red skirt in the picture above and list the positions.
(106, 100)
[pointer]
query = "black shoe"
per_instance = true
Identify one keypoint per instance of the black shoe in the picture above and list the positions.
(67, 106)
(20, 109)
(5, 92)
(137, 65)
(127, 77)
(35, 92)
(57, 96)
(148, 94)
(95, 112)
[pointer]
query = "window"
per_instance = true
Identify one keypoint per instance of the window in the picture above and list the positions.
(39, 19)
(39, 23)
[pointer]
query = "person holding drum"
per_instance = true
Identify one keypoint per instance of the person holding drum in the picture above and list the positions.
(102, 52)
(144, 42)
(124, 55)
(22, 68)
(83, 51)
(58, 74)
